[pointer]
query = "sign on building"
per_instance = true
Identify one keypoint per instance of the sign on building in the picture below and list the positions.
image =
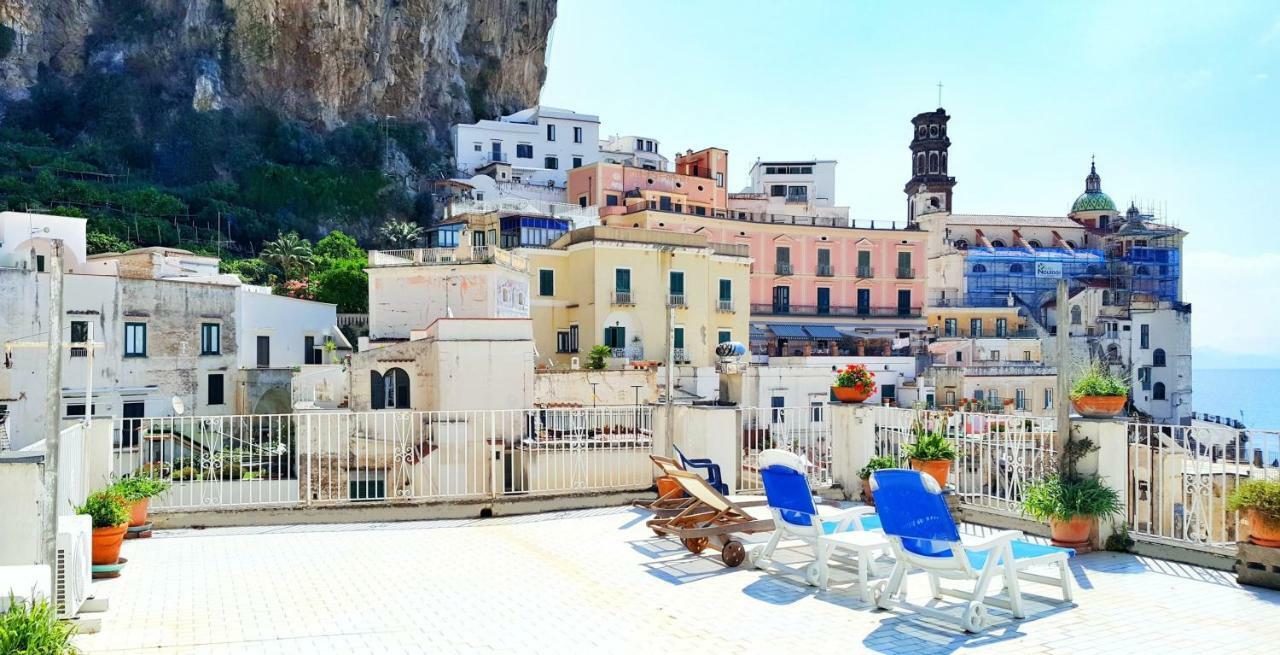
(1049, 269)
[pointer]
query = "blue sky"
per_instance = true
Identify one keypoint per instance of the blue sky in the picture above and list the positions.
(1177, 101)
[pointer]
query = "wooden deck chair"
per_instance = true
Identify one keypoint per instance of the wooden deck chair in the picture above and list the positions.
(923, 534)
(709, 521)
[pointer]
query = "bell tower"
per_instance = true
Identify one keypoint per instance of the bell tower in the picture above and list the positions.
(929, 189)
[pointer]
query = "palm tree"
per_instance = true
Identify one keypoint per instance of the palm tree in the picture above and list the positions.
(290, 253)
(400, 234)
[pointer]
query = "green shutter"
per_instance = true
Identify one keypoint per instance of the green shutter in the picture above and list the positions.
(679, 337)
(546, 283)
(726, 289)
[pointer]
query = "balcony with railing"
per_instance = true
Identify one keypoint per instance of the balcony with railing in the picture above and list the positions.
(681, 355)
(865, 272)
(676, 300)
(495, 157)
(825, 270)
(461, 206)
(961, 333)
(994, 368)
(779, 309)
(448, 257)
(723, 305)
(906, 273)
(622, 298)
(629, 352)
(782, 268)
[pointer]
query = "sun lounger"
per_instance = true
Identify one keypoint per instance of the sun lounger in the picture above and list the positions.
(709, 521)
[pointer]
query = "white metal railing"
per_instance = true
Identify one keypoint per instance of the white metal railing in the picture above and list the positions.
(555, 209)
(723, 305)
(805, 431)
(72, 489)
(622, 298)
(1180, 477)
(337, 458)
(676, 300)
(680, 355)
(445, 256)
(997, 455)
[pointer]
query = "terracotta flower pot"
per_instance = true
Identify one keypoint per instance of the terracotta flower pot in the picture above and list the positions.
(938, 469)
(854, 394)
(1099, 406)
(106, 544)
(138, 512)
(1072, 534)
(867, 496)
(1262, 532)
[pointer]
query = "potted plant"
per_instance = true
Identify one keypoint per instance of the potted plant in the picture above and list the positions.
(138, 490)
(1099, 394)
(854, 384)
(33, 627)
(1260, 502)
(876, 464)
(597, 355)
(110, 514)
(931, 453)
(1070, 502)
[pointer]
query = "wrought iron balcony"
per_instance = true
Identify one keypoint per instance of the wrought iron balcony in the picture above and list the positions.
(865, 272)
(826, 270)
(833, 310)
(724, 305)
(676, 300)
(622, 298)
(681, 356)
(782, 268)
(906, 273)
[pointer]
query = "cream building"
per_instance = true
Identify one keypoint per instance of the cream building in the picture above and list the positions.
(614, 286)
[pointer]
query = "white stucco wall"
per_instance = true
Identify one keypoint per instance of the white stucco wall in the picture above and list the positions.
(287, 321)
(802, 380)
(21, 233)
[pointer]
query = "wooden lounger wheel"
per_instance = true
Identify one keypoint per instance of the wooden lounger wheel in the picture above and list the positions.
(695, 544)
(733, 553)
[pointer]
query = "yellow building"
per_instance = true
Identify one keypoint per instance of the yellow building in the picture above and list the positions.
(613, 286)
(976, 322)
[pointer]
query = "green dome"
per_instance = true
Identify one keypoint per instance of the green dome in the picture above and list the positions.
(1093, 201)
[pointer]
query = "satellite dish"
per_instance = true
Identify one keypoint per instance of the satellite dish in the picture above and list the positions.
(178, 407)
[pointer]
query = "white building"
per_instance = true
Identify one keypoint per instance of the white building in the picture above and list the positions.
(796, 188)
(538, 144)
(807, 381)
(151, 338)
(635, 151)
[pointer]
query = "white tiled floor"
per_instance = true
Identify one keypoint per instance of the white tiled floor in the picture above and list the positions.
(598, 580)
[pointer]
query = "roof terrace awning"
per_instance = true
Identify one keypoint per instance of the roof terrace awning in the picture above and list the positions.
(784, 331)
(823, 332)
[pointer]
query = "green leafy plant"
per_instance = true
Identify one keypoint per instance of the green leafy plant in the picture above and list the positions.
(1096, 381)
(876, 464)
(597, 355)
(1261, 496)
(107, 507)
(929, 445)
(1119, 540)
(400, 234)
(34, 629)
(290, 253)
(138, 487)
(1058, 499)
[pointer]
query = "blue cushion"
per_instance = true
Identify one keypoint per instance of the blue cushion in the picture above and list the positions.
(871, 522)
(1021, 550)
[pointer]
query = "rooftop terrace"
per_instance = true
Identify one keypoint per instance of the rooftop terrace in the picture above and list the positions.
(600, 580)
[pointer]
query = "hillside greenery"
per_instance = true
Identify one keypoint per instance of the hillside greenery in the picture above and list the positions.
(148, 170)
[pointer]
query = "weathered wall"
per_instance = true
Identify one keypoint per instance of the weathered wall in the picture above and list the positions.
(596, 388)
(320, 61)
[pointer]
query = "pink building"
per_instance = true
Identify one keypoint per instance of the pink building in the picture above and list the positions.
(697, 186)
(815, 289)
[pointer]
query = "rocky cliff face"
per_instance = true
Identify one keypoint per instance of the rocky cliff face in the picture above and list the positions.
(324, 62)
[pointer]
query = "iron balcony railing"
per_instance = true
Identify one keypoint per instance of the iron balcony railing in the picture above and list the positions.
(833, 310)
(622, 298)
(865, 272)
(798, 197)
(906, 273)
(826, 270)
(676, 300)
(681, 356)
(724, 305)
(499, 157)
(957, 333)
(630, 352)
(782, 268)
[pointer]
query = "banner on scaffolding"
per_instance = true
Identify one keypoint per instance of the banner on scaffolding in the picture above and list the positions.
(1049, 269)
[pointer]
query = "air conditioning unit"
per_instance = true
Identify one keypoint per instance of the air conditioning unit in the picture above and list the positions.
(75, 550)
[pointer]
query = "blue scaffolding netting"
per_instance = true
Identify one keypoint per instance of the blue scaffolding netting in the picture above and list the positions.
(995, 273)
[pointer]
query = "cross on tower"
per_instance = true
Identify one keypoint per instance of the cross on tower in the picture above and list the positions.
(939, 93)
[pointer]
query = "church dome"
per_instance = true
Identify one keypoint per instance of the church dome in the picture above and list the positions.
(1093, 201)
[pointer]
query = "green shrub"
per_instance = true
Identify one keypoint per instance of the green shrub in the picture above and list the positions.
(34, 629)
(1098, 382)
(1055, 498)
(100, 242)
(597, 355)
(138, 487)
(930, 446)
(1261, 496)
(876, 464)
(107, 507)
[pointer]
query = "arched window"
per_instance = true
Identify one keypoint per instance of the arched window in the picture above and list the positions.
(961, 244)
(933, 130)
(1071, 244)
(921, 131)
(979, 268)
(1033, 243)
(389, 390)
(1157, 391)
(1157, 357)
(944, 162)
(997, 243)
(1015, 268)
(933, 162)
(920, 164)
(1075, 315)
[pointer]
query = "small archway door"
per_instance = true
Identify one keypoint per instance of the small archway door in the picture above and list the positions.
(389, 390)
